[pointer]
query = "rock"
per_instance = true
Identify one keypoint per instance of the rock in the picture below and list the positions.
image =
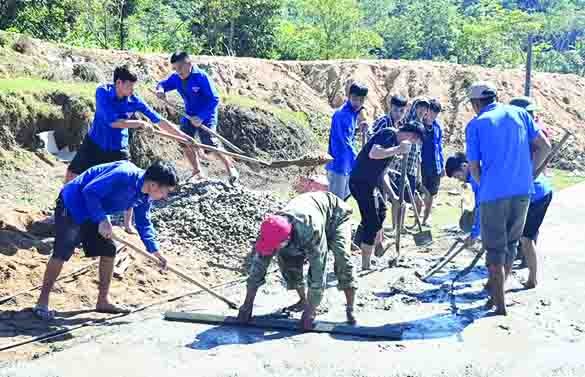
(215, 221)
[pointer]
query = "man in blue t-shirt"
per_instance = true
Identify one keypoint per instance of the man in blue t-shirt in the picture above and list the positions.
(432, 161)
(82, 217)
(201, 105)
(499, 143)
(107, 139)
(539, 202)
(369, 171)
(342, 140)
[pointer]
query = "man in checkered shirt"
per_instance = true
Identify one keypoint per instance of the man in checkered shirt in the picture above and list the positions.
(417, 112)
(396, 112)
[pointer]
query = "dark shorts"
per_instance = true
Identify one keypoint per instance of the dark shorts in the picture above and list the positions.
(90, 155)
(431, 183)
(502, 223)
(68, 236)
(372, 210)
(205, 137)
(396, 187)
(536, 213)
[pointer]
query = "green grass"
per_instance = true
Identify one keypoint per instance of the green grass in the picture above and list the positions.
(283, 114)
(33, 86)
(562, 179)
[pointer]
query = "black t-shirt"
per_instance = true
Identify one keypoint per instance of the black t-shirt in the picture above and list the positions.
(368, 170)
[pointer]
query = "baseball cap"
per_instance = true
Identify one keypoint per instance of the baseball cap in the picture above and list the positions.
(482, 89)
(526, 103)
(274, 230)
(422, 101)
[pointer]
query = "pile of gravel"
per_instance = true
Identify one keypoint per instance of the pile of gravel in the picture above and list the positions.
(213, 222)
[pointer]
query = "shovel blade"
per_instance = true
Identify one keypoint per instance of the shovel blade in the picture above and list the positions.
(423, 238)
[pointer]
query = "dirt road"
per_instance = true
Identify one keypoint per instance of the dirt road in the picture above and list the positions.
(443, 336)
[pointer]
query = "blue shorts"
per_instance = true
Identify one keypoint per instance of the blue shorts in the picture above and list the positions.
(205, 137)
(69, 235)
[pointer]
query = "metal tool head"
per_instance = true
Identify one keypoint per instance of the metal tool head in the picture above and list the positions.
(423, 238)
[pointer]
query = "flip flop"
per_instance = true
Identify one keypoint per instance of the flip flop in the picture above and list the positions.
(114, 309)
(43, 313)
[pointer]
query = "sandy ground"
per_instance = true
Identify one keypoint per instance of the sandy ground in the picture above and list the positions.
(443, 335)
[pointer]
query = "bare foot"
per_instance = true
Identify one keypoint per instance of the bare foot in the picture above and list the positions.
(489, 304)
(109, 308)
(530, 284)
(350, 316)
(130, 229)
(298, 307)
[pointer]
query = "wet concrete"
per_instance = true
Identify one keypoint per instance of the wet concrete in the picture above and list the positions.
(445, 332)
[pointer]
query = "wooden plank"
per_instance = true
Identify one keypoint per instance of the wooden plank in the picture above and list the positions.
(388, 332)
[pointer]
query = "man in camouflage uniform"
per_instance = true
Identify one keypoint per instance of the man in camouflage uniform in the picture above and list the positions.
(310, 226)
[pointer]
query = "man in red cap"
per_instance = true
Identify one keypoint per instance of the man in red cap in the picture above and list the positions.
(310, 226)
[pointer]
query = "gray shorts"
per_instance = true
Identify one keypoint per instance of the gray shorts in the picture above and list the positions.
(338, 185)
(502, 223)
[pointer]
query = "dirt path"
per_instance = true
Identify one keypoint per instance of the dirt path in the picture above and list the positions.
(543, 335)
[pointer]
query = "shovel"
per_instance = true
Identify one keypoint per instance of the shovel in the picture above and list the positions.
(423, 237)
(279, 164)
(205, 129)
(448, 257)
(401, 211)
(176, 271)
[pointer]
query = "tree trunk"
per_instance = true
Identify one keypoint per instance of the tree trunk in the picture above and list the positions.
(122, 26)
(528, 81)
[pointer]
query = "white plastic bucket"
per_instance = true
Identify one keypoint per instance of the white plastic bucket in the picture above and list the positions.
(48, 137)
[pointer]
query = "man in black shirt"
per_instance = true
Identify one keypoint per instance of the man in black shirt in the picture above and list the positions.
(370, 165)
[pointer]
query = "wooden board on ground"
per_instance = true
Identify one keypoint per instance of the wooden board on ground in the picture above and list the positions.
(388, 332)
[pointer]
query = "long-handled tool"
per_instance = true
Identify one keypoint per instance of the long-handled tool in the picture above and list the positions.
(423, 237)
(314, 161)
(401, 212)
(190, 141)
(448, 257)
(202, 127)
(176, 271)
(555, 150)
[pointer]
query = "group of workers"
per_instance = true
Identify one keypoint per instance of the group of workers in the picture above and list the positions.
(504, 146)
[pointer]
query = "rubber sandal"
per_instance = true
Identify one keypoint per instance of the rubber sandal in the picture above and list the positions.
(43, 313)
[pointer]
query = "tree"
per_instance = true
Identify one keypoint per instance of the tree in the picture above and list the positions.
(157, 26)
(45, 19)
(234, 27)
(326, 29)
(420, 29)
(104, 23)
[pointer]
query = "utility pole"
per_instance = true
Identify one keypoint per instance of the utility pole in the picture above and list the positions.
(528, 81)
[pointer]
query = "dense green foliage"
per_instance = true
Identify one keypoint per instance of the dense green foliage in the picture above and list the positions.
(485, 32)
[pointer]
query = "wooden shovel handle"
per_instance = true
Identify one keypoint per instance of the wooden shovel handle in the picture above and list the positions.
(205, 129)
(176, 271)
(190, 141)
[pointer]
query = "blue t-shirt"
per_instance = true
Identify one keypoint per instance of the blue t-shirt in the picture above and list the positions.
(341, 140)
(109, 109)
(107, 189)
(199, 94)
(542, 188)
(499, 139)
